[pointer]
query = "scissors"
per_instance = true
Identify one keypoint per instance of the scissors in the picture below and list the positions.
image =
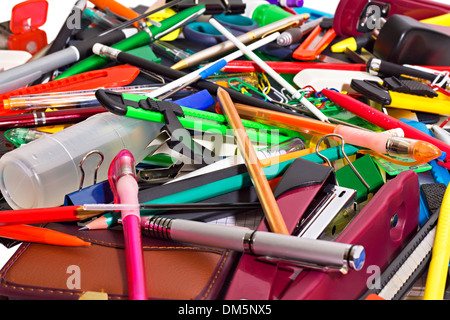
(205, 34)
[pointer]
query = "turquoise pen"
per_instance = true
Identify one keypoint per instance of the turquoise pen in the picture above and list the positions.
(139, 39)
(222, 186)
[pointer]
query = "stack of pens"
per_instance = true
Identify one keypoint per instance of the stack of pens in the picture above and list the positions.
(152, 138)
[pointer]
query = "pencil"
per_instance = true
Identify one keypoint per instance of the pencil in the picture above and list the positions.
(264, 192)
(26, 233)
(45, 215)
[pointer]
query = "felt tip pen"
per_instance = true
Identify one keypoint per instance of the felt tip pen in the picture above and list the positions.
(379, 142)
(327, 255)
(123, 181)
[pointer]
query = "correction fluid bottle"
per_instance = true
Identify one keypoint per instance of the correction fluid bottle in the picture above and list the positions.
(40, 173)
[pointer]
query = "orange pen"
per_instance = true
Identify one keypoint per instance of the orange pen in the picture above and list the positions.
(380, 142)
(26, 233)
(116, 8)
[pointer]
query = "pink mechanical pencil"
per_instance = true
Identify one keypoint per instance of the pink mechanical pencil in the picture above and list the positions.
(123, 181)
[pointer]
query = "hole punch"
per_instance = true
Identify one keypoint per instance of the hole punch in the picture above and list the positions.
(102, 157)
(344, 155)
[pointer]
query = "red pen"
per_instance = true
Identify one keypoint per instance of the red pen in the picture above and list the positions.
(290, 67)
(382, 120)
(36, 119)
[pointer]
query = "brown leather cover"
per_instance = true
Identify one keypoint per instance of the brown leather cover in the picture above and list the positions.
(174, 271)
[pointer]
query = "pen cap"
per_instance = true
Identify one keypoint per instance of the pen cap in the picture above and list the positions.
(267, 13)
(42, 172)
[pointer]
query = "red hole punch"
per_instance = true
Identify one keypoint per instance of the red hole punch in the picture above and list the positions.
(26, 18)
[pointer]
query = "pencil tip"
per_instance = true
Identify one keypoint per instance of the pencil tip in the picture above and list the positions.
(83, 228)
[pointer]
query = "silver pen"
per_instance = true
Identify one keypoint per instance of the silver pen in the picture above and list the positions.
(305, 252)
(245, 38)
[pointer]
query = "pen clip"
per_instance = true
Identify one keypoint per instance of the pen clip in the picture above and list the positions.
(281, 28)
(96, 168)
(295, 263)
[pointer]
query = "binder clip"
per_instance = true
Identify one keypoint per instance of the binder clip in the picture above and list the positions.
(96, 193)
(26, 18)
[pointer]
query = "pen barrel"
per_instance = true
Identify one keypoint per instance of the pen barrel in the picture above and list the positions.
(259, 243)
(367, 139)
(377, 66)
(24, 74)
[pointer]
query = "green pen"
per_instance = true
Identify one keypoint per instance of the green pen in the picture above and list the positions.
(139, 39)
(125, 104)
(223, 186)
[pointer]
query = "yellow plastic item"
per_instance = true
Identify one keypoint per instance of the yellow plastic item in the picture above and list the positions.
(164, 14)
(437, 105)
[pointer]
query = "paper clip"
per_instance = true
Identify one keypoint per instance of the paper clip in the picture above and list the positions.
(343, 154)
(245, 87)
(96, 169)
(314, 44)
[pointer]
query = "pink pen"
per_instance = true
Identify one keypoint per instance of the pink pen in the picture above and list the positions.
(123, 181)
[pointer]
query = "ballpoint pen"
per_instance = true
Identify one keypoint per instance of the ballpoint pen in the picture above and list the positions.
(245, 38)
(380, 142)
(141, 38)
(382, 120)
(123, 182)
(194, 76)
(295, 94)
(295, 34)
(117, 8)
(45, 118)
(22, 75)
(168, 49)
(264, 192)
(20, 136)
(329, 255)
(76, 98)
(27, 233)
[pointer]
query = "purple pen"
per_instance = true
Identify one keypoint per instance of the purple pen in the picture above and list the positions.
(287, 3)
(123, 181)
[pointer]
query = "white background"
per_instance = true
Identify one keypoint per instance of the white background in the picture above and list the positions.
(58, 11)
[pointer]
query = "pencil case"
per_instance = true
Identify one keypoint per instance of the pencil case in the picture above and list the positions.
(174, 271)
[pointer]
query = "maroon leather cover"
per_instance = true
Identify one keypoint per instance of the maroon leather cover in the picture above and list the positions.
(397, 200)
(174, 270)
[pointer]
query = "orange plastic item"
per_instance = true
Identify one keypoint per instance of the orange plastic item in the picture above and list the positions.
(314, 44)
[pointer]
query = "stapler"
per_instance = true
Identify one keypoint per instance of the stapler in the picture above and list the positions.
(385, 222)
(354, 17)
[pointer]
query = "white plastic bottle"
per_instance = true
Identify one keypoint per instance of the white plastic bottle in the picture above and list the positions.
(41, 173)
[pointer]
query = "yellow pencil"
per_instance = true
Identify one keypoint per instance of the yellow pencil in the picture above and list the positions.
(263, 190)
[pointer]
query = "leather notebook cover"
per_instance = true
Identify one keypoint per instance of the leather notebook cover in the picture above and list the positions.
(174, 270)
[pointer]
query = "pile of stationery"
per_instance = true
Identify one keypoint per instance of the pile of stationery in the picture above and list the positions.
(226, 150)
